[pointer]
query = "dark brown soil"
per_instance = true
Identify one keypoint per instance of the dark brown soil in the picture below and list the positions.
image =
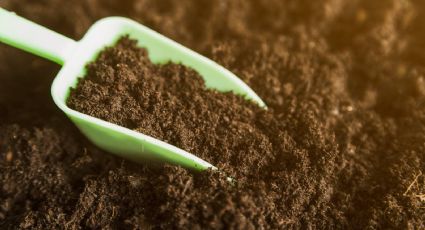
(171, 102)
(343, 141)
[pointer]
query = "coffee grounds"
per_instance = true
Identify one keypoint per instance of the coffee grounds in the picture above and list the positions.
(343, 80)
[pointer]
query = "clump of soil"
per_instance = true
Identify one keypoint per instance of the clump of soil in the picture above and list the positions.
(345, 128)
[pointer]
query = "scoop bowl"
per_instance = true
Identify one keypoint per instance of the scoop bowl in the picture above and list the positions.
(74, 56)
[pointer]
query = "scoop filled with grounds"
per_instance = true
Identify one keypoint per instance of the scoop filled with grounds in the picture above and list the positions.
(74, 56)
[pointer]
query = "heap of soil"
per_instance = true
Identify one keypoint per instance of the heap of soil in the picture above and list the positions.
(342, 141)
(171, 102)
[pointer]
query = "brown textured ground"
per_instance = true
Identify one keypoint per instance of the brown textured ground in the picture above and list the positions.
(344, 80)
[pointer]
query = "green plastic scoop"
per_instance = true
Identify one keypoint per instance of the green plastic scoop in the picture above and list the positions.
(73, 56)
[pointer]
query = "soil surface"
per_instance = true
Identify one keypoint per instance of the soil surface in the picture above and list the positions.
(341, 146)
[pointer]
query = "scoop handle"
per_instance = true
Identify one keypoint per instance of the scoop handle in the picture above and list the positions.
(26, 35)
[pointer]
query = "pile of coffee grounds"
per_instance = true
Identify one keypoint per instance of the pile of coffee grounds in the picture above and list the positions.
(344, 82)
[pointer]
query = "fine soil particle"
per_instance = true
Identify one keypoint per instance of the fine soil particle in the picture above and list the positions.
(341, 146)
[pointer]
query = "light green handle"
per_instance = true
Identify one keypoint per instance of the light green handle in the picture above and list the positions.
(31, 37)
